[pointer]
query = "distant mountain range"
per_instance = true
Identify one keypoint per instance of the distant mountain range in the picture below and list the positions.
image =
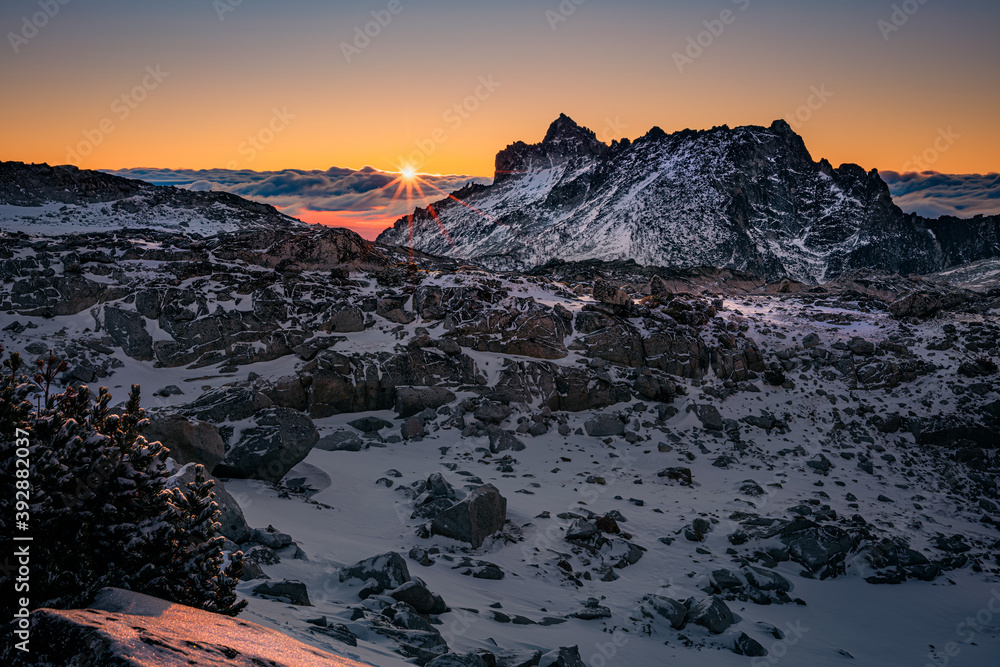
(749, 198)
(37, 198)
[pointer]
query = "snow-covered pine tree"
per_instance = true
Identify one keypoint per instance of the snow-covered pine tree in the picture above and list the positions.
(200, 575)
(99, 510)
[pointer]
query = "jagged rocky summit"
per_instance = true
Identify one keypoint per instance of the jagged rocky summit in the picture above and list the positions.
(747, 198)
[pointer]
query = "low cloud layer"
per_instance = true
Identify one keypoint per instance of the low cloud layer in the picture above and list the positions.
(933, 195)
(364, 200)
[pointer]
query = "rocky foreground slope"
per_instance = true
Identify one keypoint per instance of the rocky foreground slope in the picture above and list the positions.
(589, 463)
(747, 198)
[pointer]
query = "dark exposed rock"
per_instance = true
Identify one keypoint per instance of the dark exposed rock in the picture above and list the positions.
(601, 426)
(128, 330)
(412, 400)
(293, 591)
(341, 441)
(581, 530)
(188, 441)
(369, 424)
(279, 439)
(481, 514)
(503, 441)
(673, 611)
(420, 598)
(380, 573)
(711, 613)
(748, 646)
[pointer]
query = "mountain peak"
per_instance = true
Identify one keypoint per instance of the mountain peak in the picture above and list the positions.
(565, 129)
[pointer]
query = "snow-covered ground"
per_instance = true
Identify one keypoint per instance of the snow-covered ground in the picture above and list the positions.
(353, 513)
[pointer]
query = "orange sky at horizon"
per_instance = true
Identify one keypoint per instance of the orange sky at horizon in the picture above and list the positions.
(117, 85)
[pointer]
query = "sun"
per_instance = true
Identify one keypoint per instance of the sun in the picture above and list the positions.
(408, 173)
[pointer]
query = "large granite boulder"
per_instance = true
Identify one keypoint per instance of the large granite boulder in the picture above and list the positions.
(189, 441)
(481, 514)
(278, 439)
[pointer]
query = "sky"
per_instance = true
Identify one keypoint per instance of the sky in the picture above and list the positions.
(442, 85)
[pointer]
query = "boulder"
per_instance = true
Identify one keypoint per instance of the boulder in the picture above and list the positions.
(481, 514)
(602, 426)
(659, 287)
(341, 441)
(743, 644)
(581, 530)
(712, 614)
(271, 538)
(861, 347)
(420, 598)
(412, 428)
(279, 439)
(128, 329)
(480, 569)
(293, 591)
(126, 629)
(915, 304)
(369, 424)
(605, 292)
(490, 412)
(766, 580)
(503, 441)
(381, 573)
(709, 417)
(673, 611)
(515, 326)
(677, 474)
(289, 392)
(562, 657)
(819, 549)
(189, 441)
(349, 319)
(697, 530)
(413, 400)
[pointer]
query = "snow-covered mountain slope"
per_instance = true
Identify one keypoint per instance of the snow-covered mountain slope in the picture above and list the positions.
(39, 199)
(749, 198)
